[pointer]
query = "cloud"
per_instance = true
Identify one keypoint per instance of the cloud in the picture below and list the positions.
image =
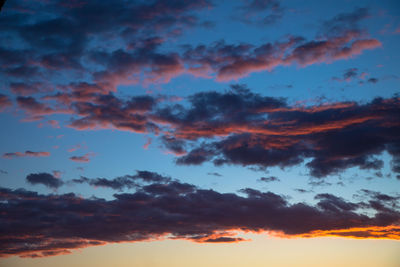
(67, 42)
(107, 111)
(348, 75)
(118, 183)
(340, 38)
(243, 128)
(127, 181)
(260, 12)
(180, 211)
(269, 179)
(373, 80)
(4, 102)
(45, 179)
(27, 153)
(83, 159)
(266, 132)
(214, 174)
(352, 74)
(63, 41)
(345, 21)
(35, 110)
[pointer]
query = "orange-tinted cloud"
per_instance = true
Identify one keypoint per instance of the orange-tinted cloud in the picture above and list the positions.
(83, 159)
(161, 207)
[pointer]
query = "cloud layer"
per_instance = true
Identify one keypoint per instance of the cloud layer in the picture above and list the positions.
(244, 128)
(171, 209)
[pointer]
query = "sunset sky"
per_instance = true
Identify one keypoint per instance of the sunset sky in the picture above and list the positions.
(200, 133)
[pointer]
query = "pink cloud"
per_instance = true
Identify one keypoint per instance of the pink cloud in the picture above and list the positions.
(83, 159)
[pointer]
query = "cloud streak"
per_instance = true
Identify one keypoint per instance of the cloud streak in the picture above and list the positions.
(27, 153)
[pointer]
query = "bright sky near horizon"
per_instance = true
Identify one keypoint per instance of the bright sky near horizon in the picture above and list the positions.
(201, 133)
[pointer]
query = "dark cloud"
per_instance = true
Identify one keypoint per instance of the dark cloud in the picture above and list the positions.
(269, 179)
(344, 22)
(45, 179)
(75, 39)
(107, 111)
(373, 80)
(59, 223)
(234, 61)
(353, 74)
(350, 74)
(127, 181)
(243, 128)
(266, 132)
(27, 153)
(301, 190)
(215, 174)
(83, 159)
(118, 183)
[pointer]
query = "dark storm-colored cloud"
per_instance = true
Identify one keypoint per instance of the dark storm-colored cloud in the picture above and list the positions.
(59, 223)
(303, 191)
(69, 37)
(265, 132)
(214, 174)
(118, 183)
(74, 38)
(269, 179)
(27, 153)
(373, 80)
(127, 181)
(107, 111)
(243, 128)
(45, 179)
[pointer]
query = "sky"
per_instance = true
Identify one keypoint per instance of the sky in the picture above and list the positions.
(199, 133)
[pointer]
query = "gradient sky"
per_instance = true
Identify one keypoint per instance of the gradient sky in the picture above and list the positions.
(200, 133)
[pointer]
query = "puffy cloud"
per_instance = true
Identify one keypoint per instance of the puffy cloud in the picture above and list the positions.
(244, 128)
(248, 129)
(59, 223)
(75, 39)
(59, 36)
(45, 179)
